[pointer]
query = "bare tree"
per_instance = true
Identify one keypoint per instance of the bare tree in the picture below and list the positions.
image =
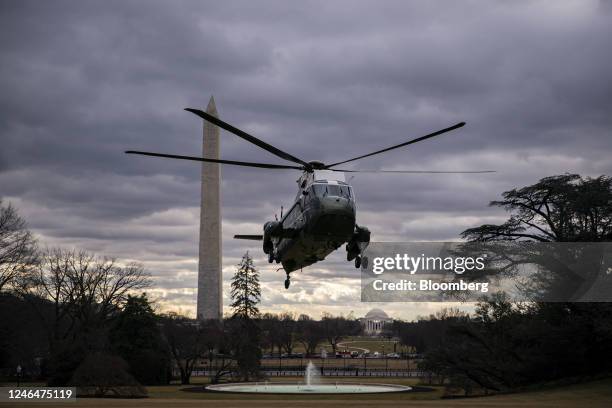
(85, 290)
(270, 337)
(310, 333)
(336, 328)
(218, 345)
(286, 332)
(18, 253)
(185, 340)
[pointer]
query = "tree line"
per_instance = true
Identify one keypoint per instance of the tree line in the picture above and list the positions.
(505, 345)
(74, 318)
(80, 317)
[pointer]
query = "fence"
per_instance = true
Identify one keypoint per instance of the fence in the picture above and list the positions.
(328, 372)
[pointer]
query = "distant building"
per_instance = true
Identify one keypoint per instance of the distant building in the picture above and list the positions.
(374, 322)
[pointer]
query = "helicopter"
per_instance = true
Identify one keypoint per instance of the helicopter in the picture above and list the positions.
(322, 217)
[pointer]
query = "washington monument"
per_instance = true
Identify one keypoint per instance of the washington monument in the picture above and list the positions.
(210, 277)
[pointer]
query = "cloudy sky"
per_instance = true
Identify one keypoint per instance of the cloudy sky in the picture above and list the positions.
(82, 81)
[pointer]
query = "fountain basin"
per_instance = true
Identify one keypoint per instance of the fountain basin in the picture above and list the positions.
(293, 388)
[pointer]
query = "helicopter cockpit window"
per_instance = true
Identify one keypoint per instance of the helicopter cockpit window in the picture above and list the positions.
(345, 191)
(319, 189)
(324, 190)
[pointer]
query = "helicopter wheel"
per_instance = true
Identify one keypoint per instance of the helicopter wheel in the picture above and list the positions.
(270, 257)
(287, 283)
(358, 262)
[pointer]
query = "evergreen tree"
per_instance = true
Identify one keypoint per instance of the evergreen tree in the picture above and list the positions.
(246, 293)
(136, 337)
(510, 345)
(244, 329)
(564, 208)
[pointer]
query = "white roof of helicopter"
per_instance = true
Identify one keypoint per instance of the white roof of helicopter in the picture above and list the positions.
(329, 175)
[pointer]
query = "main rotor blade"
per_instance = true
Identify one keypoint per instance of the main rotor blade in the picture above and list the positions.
(202, 159)
(251, 237)
(417, 171)
(418, 139)
(247, 137)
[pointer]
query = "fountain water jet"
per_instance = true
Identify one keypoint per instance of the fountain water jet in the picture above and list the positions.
(310, 374)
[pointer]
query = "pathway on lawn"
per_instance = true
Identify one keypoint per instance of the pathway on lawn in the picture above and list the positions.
(344, 344)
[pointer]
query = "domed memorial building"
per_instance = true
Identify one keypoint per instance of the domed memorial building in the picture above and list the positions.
(374, 322)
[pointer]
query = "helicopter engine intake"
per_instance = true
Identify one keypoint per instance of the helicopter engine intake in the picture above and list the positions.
(271, 228)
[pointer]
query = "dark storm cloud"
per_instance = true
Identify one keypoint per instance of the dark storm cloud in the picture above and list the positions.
(83, 81)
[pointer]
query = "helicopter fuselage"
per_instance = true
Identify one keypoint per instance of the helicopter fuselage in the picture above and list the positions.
(321, 219)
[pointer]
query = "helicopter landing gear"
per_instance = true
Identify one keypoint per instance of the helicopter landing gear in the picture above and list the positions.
(357, 245)
(270, 257)
(287, 282)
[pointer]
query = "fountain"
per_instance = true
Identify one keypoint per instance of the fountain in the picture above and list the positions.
(311, 385)
(309, 375)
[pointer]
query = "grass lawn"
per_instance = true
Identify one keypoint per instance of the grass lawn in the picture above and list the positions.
(593, 395)
(371, 343)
